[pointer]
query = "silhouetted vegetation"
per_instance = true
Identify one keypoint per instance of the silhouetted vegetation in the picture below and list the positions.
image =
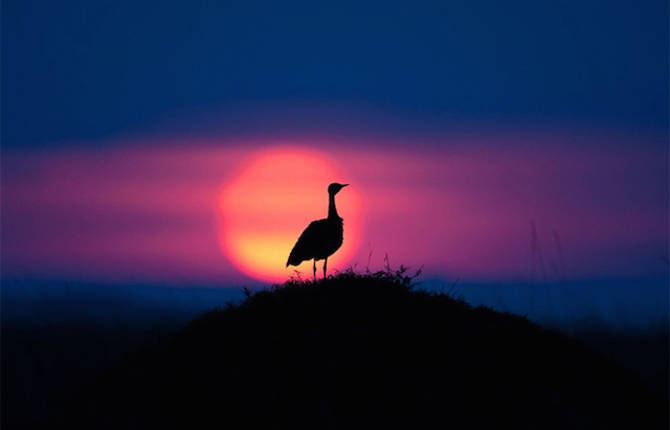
(365, 351)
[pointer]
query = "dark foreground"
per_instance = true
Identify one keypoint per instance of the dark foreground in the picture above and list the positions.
(363, 352)
(350, 352)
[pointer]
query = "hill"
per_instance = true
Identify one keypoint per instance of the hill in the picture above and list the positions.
(366, 351)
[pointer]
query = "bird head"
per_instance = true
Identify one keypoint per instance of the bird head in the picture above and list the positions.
(335, 188)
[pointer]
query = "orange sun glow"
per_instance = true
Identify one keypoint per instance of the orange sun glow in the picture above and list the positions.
(266, 206)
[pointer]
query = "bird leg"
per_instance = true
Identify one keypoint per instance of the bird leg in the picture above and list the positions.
(325, 264)
(315, 270)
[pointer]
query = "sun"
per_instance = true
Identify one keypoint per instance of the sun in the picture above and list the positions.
(268, 203)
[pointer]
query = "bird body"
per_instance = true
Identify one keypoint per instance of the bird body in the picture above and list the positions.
(321, 238)
(318, 241)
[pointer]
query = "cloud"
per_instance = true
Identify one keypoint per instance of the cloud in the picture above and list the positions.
(461, 205)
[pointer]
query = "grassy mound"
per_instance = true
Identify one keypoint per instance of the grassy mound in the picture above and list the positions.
(367, 351)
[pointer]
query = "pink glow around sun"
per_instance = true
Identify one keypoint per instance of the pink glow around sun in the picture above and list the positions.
(224, 211)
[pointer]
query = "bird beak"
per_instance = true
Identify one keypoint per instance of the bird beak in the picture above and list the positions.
(345, 185)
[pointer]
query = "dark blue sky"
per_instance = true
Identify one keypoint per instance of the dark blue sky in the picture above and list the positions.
(84, 70)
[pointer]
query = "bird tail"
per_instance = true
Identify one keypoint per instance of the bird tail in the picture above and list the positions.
(293, 259)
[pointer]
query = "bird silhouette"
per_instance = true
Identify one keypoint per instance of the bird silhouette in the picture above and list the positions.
(322, 237)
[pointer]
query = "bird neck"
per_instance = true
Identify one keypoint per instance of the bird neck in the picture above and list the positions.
(332, 210)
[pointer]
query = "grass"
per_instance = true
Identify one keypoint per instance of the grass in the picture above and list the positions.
(365, 351)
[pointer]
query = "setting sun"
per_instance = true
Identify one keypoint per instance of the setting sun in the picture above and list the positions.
(269, 202)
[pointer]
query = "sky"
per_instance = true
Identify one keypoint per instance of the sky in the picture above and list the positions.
(80, 70)
(189, 143)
